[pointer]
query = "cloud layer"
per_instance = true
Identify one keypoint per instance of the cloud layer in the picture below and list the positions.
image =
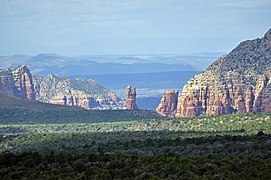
(33, 26)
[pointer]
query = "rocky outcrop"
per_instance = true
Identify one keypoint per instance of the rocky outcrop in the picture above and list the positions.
(77, 92)
(236, 83)
(75, 99)
(7, 84)
(130, 98)
(23, 81)
(168, 103)
(17, 82)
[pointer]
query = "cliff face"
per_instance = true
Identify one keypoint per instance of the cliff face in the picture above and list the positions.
(6, 81)
(75, 92)
(168, 103)
(78, 99)
(237, 82)
(17, 82)
(130, 98)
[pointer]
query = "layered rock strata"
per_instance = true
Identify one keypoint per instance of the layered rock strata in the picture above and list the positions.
(75, 98)
(78, 92)
(237, 82)
(18, 82)
(168, 103)
(130, 94)
(57, 90)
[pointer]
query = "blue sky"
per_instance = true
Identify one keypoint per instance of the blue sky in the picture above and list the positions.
(86, 27)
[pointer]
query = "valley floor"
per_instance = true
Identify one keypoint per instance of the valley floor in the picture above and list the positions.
(215, 147)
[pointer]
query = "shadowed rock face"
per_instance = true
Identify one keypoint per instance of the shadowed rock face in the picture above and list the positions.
(237, 82)
(17, 82)
(168, 103)
(130, 98)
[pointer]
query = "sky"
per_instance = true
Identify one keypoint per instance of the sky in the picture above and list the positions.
(99, 27)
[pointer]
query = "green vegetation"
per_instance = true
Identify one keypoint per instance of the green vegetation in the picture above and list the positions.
(70, 115)
(15, 110)
(215, 147)
(108, 121)
(118, 166)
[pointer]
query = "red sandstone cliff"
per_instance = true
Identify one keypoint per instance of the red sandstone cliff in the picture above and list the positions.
(168, 103)
(78, 99)
(17, 82)
(236, 83)
(81, 99)
(130, 98)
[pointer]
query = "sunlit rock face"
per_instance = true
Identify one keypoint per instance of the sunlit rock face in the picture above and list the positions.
(77, 99)
(168, 103)
(130, 94)
(79, 92)
(237, 82)
(18, 82)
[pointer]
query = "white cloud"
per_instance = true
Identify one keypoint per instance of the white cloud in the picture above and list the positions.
(247, 3)
(68, 22)
(56, 14)
(67, 7)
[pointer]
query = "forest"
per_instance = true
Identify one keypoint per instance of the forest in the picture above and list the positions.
(210, 147)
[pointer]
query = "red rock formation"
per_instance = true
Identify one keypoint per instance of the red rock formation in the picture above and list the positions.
(236, 83)
(17, 82)
(196, 99)
(23, 81)
(76, 99)
(6, 82)
(86, 93)
(81, 99)
(168, 103)
(110, 99)
(130, 98)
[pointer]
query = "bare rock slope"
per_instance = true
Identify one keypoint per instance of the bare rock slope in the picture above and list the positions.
(74, 92)
(237, 82)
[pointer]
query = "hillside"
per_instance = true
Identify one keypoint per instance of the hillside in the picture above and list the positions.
(86, 93)
(15, 110)
(79, 92)
(8, 101)
(236, 83)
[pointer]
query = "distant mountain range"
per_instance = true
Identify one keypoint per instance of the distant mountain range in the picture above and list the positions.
(152, 74)
(44, 64)
(156, 80)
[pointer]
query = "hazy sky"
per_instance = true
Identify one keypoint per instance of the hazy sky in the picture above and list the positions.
(73, 27)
